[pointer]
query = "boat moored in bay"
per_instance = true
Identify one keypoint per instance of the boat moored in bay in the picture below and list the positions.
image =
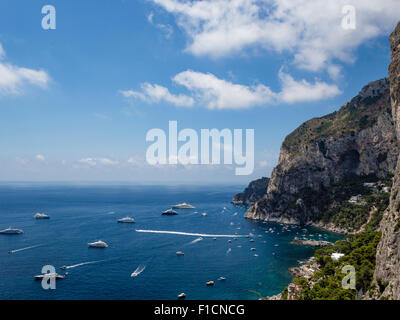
(10, 230)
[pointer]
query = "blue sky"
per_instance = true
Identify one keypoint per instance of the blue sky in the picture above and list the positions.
(74, 104)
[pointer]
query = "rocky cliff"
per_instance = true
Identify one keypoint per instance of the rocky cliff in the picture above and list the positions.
(387, 272)
(358, 140)
(254, 192)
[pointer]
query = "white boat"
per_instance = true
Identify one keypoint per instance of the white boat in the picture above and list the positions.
(252, 249)
(49, 276)
(182, 296)
(169, 212)
(183, 206)
(41, 216)
(10, 230)
(210, 283)
(204, 214)
(221, 279)
(98, 244)
(126, 220)
(180, 253)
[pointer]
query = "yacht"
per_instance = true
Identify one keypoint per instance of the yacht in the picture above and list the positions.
(180, 253)
(10, 230)
(221, 279)
(204, 214)
(98, 244)
(169, 212)
(183, 206)
(210, 283)
(50, 275)
(182, 296)
(126, 220)
(41, 216)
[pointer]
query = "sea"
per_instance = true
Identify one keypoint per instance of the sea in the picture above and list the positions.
(216, 244)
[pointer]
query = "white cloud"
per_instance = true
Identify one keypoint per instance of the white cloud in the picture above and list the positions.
(95, 161)
(217, 93)
(40, 157)
(214, 93)
(309, 30)
(156, 93)
(12, 78)
(136, 161)
(302, 91)
(166, 28)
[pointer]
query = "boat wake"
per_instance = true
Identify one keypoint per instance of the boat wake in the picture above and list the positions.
(83, 263)
(22, 249)
(195, 240)
(193, 234)
(228, 251)
(138, 270)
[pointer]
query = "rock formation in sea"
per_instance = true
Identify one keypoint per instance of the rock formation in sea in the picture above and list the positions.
(357, 140)
(254, 192)
(387, 272)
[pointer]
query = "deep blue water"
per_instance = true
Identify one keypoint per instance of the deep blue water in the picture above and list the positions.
(82, 214)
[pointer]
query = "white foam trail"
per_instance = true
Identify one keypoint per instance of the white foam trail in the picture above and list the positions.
(83, 263)
(193, 234)
(196, 240)
(22, 249)
(138, 271)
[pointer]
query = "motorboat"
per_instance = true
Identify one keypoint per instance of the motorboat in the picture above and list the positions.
(98, 244)
(180, 253)
(210, 283)
(41, 216)
(169, 212)
(10, 230)
(221, 279)
(183, 206)
(126, 220)
(182, 296)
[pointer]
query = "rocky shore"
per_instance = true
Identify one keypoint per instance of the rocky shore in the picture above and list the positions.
(311, 243)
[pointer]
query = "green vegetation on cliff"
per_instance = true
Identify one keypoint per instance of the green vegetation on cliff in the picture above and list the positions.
(333, 204)
(359, 249)
(359, 114)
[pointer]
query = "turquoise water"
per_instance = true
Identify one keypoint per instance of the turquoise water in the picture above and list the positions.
(82, 214)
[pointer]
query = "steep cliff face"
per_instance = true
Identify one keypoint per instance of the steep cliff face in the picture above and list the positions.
(254, 192)
(359, 139)
(387, 272)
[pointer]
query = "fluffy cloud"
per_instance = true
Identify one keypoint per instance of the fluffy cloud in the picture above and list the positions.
(156, 93)
(40, 157)
(95, 161)
(302, 91)
(309, 30)
(12, 78)
(214, 93)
